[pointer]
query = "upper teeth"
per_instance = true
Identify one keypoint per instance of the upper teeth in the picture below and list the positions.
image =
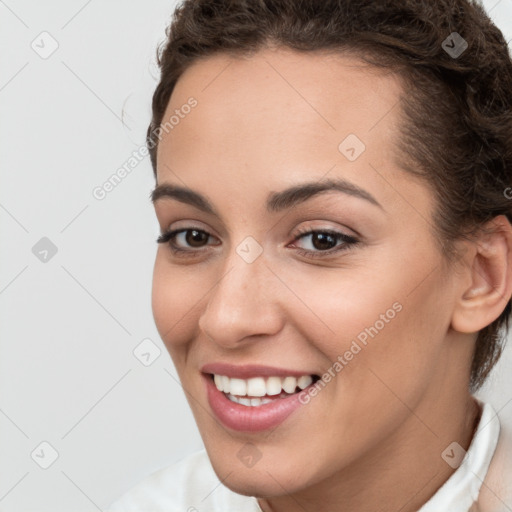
(259, 386)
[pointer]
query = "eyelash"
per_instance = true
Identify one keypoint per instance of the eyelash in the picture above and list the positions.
(348, 242)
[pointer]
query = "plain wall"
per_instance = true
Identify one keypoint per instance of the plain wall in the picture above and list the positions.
(69, 325)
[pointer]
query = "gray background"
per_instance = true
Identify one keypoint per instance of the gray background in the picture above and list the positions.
(70, 323)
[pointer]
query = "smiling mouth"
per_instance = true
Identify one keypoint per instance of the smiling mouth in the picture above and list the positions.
(258, 391)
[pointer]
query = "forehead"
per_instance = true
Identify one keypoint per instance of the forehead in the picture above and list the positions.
(280, 117)
(285, 102)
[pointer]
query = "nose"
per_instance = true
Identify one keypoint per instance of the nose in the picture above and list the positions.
(244, 303)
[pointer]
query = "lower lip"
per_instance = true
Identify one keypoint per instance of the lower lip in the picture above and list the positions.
(247, 418)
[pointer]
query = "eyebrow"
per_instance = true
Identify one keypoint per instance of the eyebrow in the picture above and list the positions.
(276, 201)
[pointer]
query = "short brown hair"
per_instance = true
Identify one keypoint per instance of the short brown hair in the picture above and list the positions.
(457, 108)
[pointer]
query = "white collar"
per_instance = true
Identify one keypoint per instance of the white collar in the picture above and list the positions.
(461, 490)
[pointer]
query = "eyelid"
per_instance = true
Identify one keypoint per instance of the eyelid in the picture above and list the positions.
(345, 231)
(166, 235)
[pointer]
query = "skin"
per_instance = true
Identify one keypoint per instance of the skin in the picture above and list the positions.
(373, 437)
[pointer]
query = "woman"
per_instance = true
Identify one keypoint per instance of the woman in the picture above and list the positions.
(335, 263)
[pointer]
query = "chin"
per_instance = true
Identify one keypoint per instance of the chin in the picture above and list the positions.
(259, 484)
(269, 477)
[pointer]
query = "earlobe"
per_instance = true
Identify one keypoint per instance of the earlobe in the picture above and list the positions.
(490, 276)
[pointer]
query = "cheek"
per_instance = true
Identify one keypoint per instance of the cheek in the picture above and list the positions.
(380, 317)
(174, 297)
(338, 306)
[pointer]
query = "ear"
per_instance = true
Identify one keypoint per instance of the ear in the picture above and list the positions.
(489, 273)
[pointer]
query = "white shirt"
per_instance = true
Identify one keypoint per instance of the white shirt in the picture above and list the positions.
(191, 485)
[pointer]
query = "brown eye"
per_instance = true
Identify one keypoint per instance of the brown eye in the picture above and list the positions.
(324, 242)
(186, 241)
(195, 238)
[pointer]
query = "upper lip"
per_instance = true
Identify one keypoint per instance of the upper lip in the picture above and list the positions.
(248, 371)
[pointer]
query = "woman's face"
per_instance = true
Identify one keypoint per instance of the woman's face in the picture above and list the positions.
(254, 296)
